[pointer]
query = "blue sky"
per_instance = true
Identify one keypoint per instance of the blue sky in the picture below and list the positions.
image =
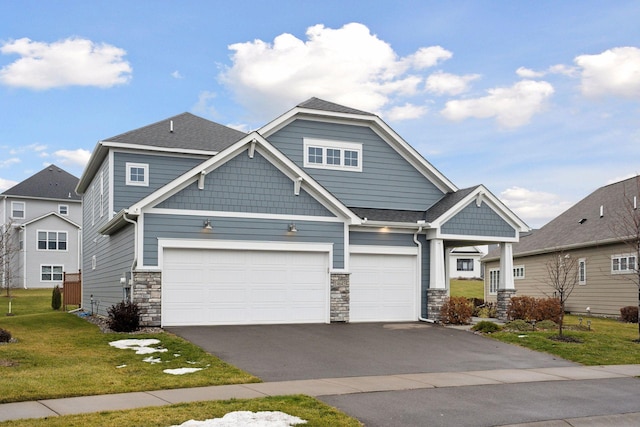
(539, 101)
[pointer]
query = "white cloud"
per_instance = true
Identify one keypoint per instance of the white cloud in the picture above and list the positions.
(6, 184)
(204, 106)
(348, 65)
(511, 106)
(528, 73)
(176, 75)
(78, 157)
(534, 207)
(406, 112)
(69, 62)
(442, 83)
(613, 72)
(8, 162)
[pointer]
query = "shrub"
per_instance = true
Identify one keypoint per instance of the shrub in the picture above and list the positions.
(489, 309)
(547, 309)
(56, 298)
(5, 336)
(547, 324)
(124, 317)
(629, 314)
(521, 308)
(456, 311)
(518, 325)
(486, 327)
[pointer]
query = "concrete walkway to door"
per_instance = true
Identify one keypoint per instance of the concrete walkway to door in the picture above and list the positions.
(297, 352)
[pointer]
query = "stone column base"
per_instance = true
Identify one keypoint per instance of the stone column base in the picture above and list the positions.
(147, 293)
(339, 310)
(504, 301)
(435, 301)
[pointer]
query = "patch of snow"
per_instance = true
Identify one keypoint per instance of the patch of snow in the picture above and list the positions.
(152, 360)
(248, 418)
(181, 371)
(141, 346)
(121, 366)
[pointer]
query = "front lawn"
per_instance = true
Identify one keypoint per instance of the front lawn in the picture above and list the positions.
(58, 354)
(467, 288)
(609, 342)
(307, 408)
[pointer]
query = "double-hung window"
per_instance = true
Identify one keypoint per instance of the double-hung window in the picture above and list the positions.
(52, 240)
(137, 174)
(494, 281)
(336, 155)
(17, 210)
(51, 273)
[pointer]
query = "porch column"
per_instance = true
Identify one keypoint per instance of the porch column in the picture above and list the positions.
(437, 291)
(506, 285)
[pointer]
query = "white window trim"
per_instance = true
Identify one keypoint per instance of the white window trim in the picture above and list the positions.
(627, 270)
(58, 232)
(516, 268)
(60, 207)
(143, 166)
(52, 279)
(497, 281)
(582, 261)
(325, 144)
(24, 210)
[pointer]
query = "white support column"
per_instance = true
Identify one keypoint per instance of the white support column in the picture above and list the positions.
(437, 270)
(506, 267)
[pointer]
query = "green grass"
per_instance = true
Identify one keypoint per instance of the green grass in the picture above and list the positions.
(609, 342)
(32, 301)
(61, 355)
(315, 412)
(467, 288)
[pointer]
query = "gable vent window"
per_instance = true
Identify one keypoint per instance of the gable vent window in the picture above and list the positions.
(137, 174)
(336, 155)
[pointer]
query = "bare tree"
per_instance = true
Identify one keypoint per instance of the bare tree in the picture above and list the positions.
(626, 228)
(562, 276)
(9, 248)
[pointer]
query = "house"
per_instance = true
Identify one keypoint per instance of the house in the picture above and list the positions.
(325, 214)
(589, 232)
(464, 263)
(42, 217)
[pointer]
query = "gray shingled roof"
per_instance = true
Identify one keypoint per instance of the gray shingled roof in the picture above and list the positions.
(51, 182)
(320, 104)
(189, 132)
(581, 224)
(447, 202)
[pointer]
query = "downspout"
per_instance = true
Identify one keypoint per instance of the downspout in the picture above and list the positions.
(24, 255)
(135, 248)
(417, 242)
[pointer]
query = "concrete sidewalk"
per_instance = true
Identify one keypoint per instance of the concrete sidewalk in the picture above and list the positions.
(329, 386)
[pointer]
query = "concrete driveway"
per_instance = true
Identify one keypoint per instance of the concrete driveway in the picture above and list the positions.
(295, 352)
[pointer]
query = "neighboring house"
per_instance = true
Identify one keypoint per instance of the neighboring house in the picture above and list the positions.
(323, 215)
(590, 233)
(44, 214)
(464, 263)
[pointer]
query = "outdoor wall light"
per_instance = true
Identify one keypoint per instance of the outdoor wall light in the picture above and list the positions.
(207, 225)
(292, 228)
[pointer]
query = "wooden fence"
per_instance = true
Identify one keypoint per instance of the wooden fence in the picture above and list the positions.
(72, 289)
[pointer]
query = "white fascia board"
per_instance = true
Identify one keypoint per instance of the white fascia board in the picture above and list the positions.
(376, 226)
(245, 215)
(383, 250)
(487, 197)
(378, 126)
(31, 221)
(471, 238)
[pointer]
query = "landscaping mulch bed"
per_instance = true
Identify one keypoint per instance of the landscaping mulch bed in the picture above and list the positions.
(103, 324)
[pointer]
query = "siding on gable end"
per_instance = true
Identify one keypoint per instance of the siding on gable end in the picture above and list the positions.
(387, 180)
(381, 239)
(478, 221)
(247, 185)
(162, 170)
(226, 228)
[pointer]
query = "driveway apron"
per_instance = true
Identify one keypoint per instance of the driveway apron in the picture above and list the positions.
(296, 352)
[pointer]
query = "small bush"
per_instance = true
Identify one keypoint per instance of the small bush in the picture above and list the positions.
(486, 327)
(547, 324)
(56, 298)
(488, 310)
(518, 325)
(521, 308)
(629, 314)
(547, 309)
(5, 336)
(124, 317)
(456, 311)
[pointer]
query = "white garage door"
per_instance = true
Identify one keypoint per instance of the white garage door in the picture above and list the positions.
(383, 287)
(233, 287)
